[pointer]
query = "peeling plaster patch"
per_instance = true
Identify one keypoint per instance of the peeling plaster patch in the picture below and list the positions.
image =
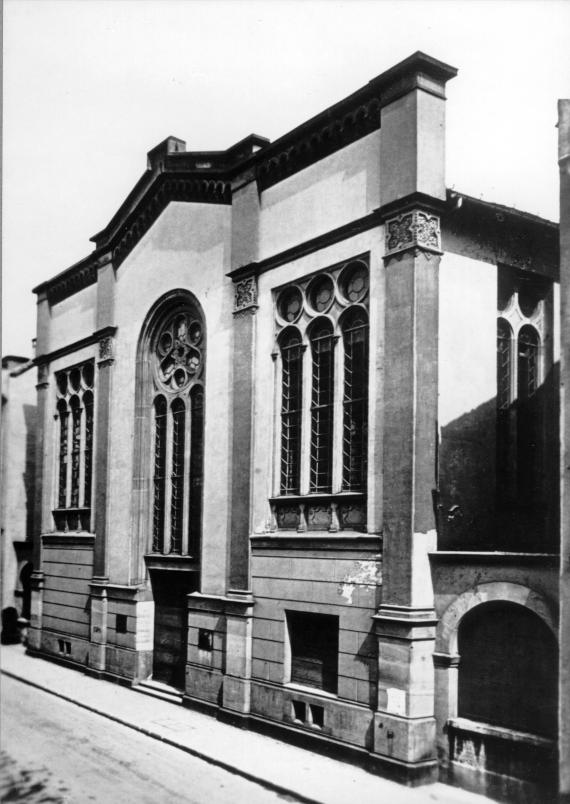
(362, 573)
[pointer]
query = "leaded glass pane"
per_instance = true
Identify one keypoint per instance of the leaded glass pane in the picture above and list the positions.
(196, 466)
(159, 474)
(75, 450)
(291, 400)
(320, 479)
(63, 419)
(177, 476)
(355, 402)
(88, 456)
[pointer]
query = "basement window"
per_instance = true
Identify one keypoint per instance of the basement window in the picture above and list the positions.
(205, 639)
(314, 650)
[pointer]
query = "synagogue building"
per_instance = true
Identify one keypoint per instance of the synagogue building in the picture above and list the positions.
(298, 450)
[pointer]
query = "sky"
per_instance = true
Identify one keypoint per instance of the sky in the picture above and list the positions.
(89, 86)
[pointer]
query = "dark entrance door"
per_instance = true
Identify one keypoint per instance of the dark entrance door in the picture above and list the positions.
(170, 589)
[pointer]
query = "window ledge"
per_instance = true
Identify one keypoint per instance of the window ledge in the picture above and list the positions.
(493, 557)
(499, 732)
(317, 540)
(171, 562)
(312, 691)
(68, 537)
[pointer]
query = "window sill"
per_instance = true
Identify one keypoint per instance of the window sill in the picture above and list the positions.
(304, 513)
(312, 691)
(315, 540)
(171, 561)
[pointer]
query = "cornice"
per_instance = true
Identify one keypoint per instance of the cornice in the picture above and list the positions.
(97, 336)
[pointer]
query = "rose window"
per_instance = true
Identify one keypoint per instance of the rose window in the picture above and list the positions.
(178, 353)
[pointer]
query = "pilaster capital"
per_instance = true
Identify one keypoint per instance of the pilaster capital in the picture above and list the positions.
(106, 351)
(414, 230)
(245, 295)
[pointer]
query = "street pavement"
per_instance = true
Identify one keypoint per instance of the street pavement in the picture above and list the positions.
(271, 768)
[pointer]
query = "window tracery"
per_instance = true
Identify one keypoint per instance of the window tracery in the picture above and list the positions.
(520, 328)
(74, 407)
(177, 353)
(322, 381)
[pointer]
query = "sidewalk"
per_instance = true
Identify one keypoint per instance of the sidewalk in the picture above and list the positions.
(280, 767)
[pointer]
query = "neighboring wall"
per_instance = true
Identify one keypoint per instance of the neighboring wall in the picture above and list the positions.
(17, 473)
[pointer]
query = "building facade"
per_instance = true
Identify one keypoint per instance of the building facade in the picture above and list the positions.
(17, 484)
(299, 450)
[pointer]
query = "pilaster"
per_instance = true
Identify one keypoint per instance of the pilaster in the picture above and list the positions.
(103, 390)
(42, 489)
(237, 680)
(412, 195)
(564, 684)
(245, 229)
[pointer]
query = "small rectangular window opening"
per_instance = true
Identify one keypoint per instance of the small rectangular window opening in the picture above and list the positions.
(317, 716)
(299, 711)
(121, 624)
(314, 650)
(205, 639)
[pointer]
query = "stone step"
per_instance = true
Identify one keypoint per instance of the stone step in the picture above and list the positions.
(156, 689)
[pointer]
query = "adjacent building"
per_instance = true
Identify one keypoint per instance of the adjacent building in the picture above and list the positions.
(17, 485)
(298, 446)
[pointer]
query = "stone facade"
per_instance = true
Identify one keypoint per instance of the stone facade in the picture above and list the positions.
(17, 482)
(282, 468)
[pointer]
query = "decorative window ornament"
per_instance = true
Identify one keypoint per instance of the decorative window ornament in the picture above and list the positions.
(178, 353)
(177, 350)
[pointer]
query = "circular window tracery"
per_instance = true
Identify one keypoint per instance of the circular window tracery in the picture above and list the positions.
(178, 353)
(290, 304)
(321, 293)
(354, 282)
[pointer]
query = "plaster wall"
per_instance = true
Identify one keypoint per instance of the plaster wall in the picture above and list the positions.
(73, 318)
(186, 248)
(265, 410)
(467, 399)
(335, 190)
(18, 468)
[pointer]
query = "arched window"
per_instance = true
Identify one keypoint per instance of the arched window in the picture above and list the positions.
(508, 669)
(355, 401)
(527, 415)
(172, 360)
(322, 398)
(291, 410)
(75, 447)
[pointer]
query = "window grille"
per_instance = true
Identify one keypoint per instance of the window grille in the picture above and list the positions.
(355, 402)
(177, 477)
(159, 472)
(291, 401)
(527, 413)
(88, 461)
(63, 416)
(196, 465)
(322, 344)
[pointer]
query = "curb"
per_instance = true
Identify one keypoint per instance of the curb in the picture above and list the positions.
(266, 783)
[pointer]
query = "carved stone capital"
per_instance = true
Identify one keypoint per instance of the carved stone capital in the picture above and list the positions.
(414, 229)
(246, 295)
(106, 350)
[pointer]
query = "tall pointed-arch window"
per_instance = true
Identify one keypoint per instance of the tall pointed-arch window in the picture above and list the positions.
(291, 410)
(177, 349)
(355, 400)
(527, 416)
(75, 402)
(322, 398)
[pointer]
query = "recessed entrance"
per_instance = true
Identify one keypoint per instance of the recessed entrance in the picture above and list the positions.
(170, 590)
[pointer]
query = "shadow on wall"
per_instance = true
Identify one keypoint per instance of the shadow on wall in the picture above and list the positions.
(474, 512)
(30, 418)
